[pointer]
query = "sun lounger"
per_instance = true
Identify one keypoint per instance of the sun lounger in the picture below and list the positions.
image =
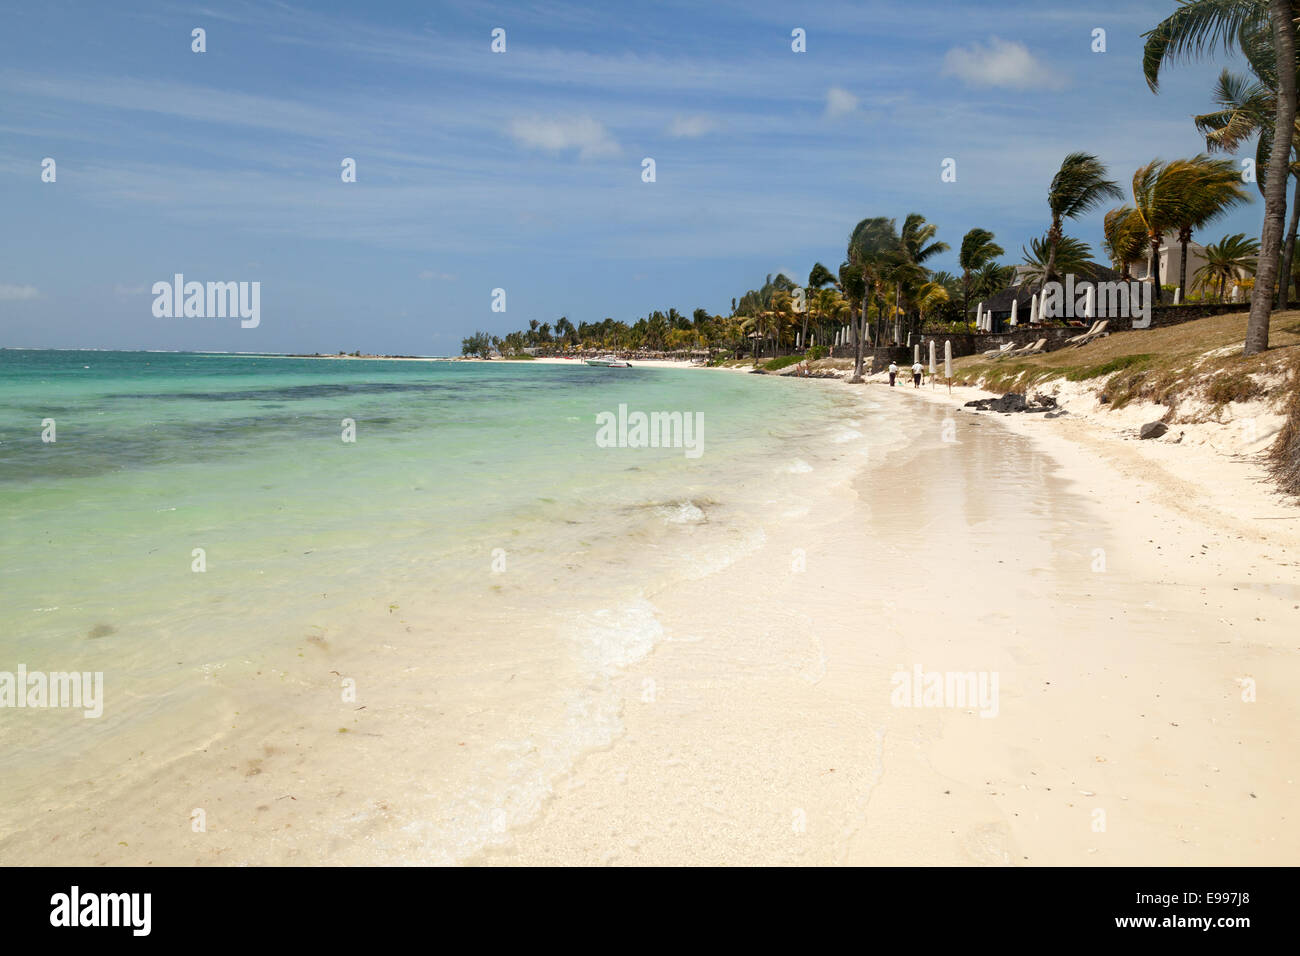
(1034, 349)
(1096, 332)
(1080, 338)
(998, 351)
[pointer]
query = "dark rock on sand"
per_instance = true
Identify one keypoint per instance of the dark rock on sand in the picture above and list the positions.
(1013, 402)
(1153, 430)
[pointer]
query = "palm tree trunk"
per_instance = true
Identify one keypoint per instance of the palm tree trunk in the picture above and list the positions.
(1053, 238)
(897, 290)
(1261, 296)
(1155, 268)
(1288, 251)
(857, 344)
(1184, 238)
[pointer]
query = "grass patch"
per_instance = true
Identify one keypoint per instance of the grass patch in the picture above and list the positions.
(1083, 373)
(1198, 361)
(784, 361)
(1284, 455)
(1228, 387)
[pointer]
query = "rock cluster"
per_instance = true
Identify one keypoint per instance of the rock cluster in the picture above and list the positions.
(1013, 402)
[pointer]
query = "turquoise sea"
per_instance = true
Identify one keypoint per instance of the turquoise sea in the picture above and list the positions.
(200, 532)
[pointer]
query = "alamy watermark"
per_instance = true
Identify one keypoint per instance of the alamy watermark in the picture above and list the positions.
(217, 300)
(130, 910)
(1109, 300)
(651, 430)
(82, 690)
(957, 689)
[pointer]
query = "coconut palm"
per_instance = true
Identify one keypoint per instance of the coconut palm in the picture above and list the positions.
(1282, 19)
(854, 288)
(1078, 187)
(1125, 239)
(1070, 256)
(1161, 201)
(917, 237)
(1255, 27)
(1197, 27)
(977, 250)
(873, 247)
(991, 279)
(1214, 187)
(919, 246)
(818, 278)
(1246, 111)
(929, 297)
(1231, 258)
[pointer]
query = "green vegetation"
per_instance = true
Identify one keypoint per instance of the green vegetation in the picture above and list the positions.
(785, 361)
(1082, 374)
(1197, 362)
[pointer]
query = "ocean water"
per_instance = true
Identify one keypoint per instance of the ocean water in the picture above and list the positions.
(416, 629)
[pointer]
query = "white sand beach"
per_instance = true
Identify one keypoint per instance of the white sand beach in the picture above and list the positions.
(1122, 735)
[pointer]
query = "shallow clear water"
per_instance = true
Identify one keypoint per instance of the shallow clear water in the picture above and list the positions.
(474, 507)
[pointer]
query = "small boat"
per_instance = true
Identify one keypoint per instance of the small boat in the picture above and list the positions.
(609, 363)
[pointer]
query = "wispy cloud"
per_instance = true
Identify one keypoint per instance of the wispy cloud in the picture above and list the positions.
(690, 127)
(18, 293)
(839, 102)
(588, 136)
(1000, 63)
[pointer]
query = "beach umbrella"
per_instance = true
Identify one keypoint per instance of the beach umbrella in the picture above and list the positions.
(947, 359)
(979, 316)
(916, 352)
(1178, 295)
(932, 356)
(1033, 308)
(1015, 311)
(1090, 302)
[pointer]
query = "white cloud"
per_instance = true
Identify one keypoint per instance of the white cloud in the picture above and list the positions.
(588, 136)
(839, 102)
(17, 293)
(689, 127)
(1000, 63)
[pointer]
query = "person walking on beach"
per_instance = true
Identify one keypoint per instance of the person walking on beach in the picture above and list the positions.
(916, 374)
(893, 374)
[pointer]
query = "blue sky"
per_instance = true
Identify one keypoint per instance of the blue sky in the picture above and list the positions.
(522, 170)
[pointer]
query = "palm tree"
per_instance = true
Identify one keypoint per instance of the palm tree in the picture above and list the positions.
(1226, 261)
(930, 296)
(818, 279)
(1161, 201)
(1247, 108)
(991, 279)
(1125, 238)
(918, 245)
(1255, 27)
(1070, 255)
(855, 292)
(873, 246)
(977, 250)
(1078, 187)
(916, 236)
(1282, 17)
(1214, 187)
